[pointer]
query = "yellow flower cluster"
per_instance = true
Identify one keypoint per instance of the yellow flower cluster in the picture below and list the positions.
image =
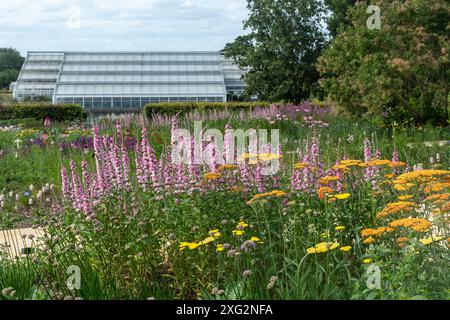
(323, 247)
(430, 240)
(416, 224)
(396, 207)
(213, 236)
(26, 132)
(274, 193)
(239, 231)
(341, 196)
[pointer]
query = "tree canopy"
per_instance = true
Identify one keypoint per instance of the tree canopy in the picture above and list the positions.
(284, 40)
(10, 64)
(401, 70)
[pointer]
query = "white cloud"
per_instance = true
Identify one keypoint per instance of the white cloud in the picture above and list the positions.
(119, 24)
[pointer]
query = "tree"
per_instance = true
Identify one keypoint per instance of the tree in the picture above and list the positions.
(10, 64)
(284, 40)
(401, 71)
(8, 76)
(338, 14)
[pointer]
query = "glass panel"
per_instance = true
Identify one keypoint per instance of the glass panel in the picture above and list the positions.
(88, 103)
(106, 103)
(126, 102)
(117, 103)
(135, 103)
(164, 99)
(78, 101)
(97, 103)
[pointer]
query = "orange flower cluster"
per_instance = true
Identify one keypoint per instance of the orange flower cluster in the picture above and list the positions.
(274, 193)
(396, 207)
(301, 165)
(437, 197)
(370, 232)
(378, 163)
(436, 187)
(422, 175)
(327, 179)
(416, 224)
(322, 191)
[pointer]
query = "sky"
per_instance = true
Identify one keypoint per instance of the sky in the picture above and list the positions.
(120, 25)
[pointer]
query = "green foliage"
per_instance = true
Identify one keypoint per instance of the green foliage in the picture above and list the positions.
(39, 111)
(338, 17)
(173, 108)
(280, 49)
(7, 76)
(10, 64)
(401, 70)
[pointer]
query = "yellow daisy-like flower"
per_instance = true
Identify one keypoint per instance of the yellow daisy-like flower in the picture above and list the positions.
(346, 248)
(405, 197)
(219, 248)
(367, 261)
(207, 240)
(238, 233)
(256, 239)
(430, 240)
(193, 245)
(243, 224)
(215, 233)
(339, 228)
(323, 247)
(342, 196)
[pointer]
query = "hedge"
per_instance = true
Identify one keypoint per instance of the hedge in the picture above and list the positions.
(39, 111)
(173, 108)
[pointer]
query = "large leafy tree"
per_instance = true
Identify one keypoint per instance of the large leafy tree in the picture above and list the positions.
(401, 70)
(10, 64)
(284, 40)
(338, 14)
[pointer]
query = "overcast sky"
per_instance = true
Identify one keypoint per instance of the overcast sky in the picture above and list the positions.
(121, 25)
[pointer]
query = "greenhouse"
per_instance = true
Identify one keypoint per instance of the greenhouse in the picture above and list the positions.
(108, 81)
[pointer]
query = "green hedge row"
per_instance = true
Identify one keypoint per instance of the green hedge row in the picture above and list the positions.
(39, 111)
(173, 108)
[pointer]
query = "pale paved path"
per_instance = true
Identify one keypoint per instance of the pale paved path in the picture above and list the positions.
(14, 240)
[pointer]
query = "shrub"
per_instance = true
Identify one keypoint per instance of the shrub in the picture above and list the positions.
(400, 71)
(39, 111)
(173, 108)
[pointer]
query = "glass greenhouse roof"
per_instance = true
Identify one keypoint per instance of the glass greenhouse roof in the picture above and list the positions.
(110, 80)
